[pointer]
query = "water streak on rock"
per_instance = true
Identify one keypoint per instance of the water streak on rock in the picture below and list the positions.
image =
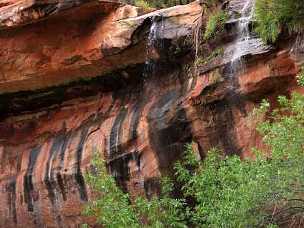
(154, 43)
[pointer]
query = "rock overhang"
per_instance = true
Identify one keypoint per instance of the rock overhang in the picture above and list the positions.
(80, 40)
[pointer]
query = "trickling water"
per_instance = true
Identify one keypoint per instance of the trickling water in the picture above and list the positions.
(149, 64)
(246, 42)
(244, 36)
(154, 43)
(152, 33)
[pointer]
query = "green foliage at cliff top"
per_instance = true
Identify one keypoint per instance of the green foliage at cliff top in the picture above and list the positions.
(159, 3)
(275, 15)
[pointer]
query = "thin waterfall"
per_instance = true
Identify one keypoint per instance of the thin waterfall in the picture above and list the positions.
(154, 43)
(246, 42)
(243, 37)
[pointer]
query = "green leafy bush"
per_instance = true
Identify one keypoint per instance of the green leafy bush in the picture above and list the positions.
(266, 191)
(215, 24)
(112, 207)
(274, 15)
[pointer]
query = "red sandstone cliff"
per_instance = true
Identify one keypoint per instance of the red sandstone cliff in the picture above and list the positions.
(138, 113)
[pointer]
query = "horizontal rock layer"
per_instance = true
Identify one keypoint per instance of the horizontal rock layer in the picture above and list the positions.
(81, 42)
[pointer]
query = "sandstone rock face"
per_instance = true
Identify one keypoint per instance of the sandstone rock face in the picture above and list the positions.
(75, 41)
(142, 104)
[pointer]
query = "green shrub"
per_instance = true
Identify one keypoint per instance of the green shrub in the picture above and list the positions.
(112, 207)
(143, 4)
(230, 192)
(274, 15)
(215, 24)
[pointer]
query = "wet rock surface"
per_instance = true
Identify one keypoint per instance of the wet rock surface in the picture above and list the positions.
(138, 120)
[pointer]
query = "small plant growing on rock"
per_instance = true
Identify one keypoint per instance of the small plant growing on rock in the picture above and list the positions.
(143, 4)
(300, 77)
(147, 5)
(215, 24)
(216, 53)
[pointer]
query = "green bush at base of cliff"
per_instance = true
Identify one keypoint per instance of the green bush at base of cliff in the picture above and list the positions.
(260, 192)
(112, 207)
(220, 191)
(274, 15)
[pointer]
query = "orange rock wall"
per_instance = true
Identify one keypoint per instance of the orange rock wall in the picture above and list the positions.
(140, 129)
(137, 116)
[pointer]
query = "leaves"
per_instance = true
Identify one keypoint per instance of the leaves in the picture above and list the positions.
(300, 77)
(112, 207)
(215, 24)
(274, 15)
